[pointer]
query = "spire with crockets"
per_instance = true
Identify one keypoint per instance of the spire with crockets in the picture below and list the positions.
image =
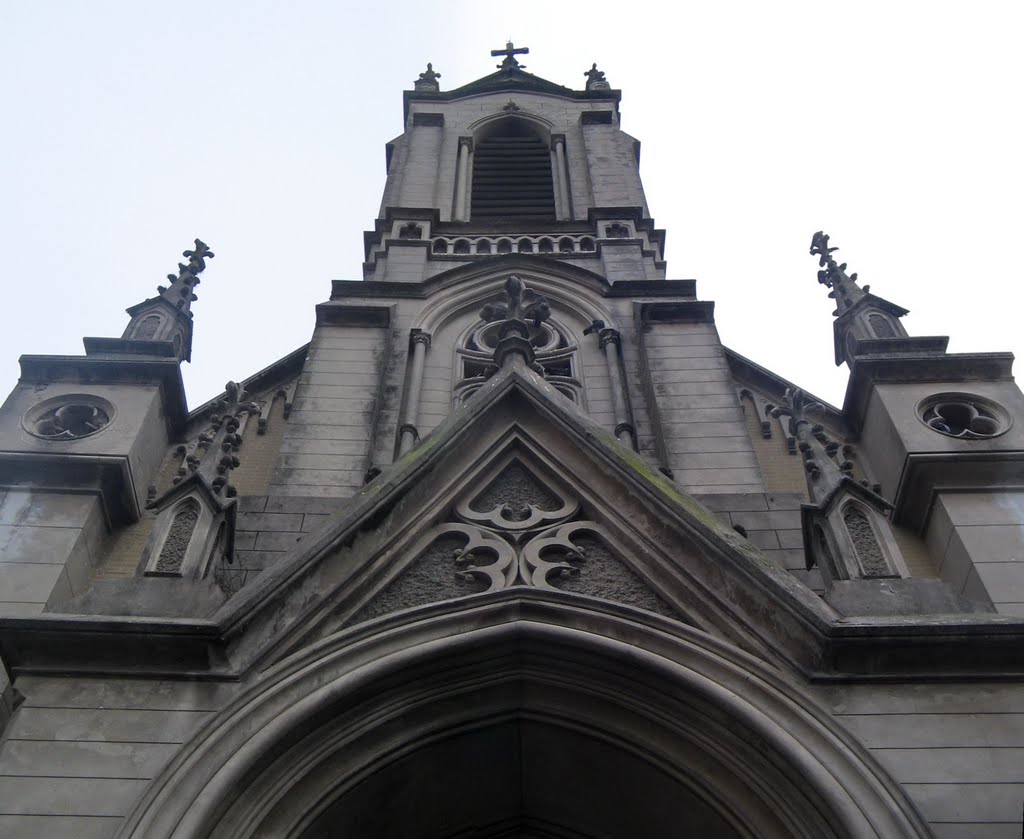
(161, 326)
(865, 324)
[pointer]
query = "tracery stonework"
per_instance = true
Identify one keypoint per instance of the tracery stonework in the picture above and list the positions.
(515, 488)
(869, 552)
(179, 535)
(147, 329)
(517, 532)
(69, 418)
(881, 327)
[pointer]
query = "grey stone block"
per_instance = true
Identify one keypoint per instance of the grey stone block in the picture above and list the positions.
(37, 544)
(27, 582)
(981, 508)
(153, 694)
(252, 503)
(1003, 581)
(925, 698)
(277, 541)
(772, 520)
(976, 830)
(953, 730)
(993, 543)
(44, 509)
(763, 538)
(791, 539)
(58, 827)
(912, 596)
(954, 766)
(270, 521)
(68, 796)
(104, 725)
(313, 505)
(258, 560)
(84, 759)
(311, 523)
(729, 502)
(146, 597)
(786, 500)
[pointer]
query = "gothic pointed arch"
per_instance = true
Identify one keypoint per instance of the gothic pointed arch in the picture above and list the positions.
(512, 174)
(470, 286)
(520, 713)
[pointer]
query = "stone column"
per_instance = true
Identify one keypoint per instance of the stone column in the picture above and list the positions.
(610, 341)
(561, 178)
(554, 184)
(409, 433)
(462, 178)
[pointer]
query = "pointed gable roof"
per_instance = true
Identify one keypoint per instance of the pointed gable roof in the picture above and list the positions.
(507, 80)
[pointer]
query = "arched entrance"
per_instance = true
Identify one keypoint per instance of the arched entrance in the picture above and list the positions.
(523, 714)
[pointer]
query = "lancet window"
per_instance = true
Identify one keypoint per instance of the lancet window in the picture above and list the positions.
(512, 174)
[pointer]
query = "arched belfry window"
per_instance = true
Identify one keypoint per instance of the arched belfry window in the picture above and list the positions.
(512, 173)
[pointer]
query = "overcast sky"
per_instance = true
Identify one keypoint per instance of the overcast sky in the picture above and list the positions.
(131, 128)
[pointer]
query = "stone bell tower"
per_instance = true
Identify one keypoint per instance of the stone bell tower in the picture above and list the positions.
(510, 173)
(516, 525)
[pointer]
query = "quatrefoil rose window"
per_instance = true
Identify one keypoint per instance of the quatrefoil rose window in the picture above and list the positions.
(69, 417)
(964, 416)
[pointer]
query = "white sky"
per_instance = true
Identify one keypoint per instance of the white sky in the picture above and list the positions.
(131, 128)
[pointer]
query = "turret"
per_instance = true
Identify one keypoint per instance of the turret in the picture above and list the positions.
(81, 438)
(161, 326)
(937, 431)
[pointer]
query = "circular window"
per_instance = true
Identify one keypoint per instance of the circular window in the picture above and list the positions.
(963, 415)
(68, 417)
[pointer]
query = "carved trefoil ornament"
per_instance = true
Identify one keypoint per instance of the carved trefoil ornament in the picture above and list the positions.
(518, 530)
(68, 417)
(964, 415)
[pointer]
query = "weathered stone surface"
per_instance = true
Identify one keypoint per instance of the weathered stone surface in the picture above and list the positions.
(604, 575)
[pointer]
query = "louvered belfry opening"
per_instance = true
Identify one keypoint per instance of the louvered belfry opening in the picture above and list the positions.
(512, 175)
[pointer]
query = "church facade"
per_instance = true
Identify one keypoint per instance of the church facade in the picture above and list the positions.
(514, 547)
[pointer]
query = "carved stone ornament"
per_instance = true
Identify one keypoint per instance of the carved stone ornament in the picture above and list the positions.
(429, 76)
(964, 415)
(517, 530)
(69, 417)
(510, 52)
(596, 79)
(179, 535)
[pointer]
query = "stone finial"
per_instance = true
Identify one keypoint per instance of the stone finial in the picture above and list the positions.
(510, 53)
(864, 323)
(844, 288)
(428, 80)
(165, 320)
(522, 304)
(521, 307)
(596, 79)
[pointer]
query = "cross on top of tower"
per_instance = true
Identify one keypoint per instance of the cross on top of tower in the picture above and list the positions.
(510, 53)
